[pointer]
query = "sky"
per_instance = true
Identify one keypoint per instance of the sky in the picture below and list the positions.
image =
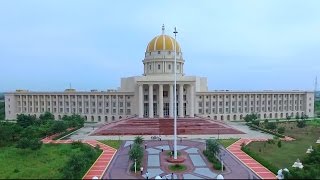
(237, 44)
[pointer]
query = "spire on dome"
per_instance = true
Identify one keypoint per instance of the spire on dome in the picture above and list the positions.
(163, 28)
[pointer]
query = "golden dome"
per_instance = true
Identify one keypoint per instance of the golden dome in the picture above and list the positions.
(162, 43)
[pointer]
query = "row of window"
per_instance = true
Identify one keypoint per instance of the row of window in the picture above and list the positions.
(73, 110)
(114, 104)
(73, 97)
(252, 96)
(245, 103)
(246, 110)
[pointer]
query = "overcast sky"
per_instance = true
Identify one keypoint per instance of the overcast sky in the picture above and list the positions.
(237, 45)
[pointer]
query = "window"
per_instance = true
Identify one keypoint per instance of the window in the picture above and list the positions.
(200, 104)
(158, 52)
(121, 104)
(150, 66)
(128, 104)
(113, 104)
(158, 66)
(169, 66)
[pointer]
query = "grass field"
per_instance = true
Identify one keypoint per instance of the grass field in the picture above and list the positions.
(227, 142)
(113, 143)
(290, 151)
(43, 164)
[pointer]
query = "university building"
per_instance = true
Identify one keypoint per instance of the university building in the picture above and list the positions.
(152, 95)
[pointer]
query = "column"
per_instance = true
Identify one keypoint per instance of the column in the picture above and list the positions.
(181, 114)
(160, 100)
(150, 101)
(140, 97)
(191, 100)
(171, 101)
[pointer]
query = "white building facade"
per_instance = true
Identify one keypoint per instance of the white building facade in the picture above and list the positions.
(152, 95)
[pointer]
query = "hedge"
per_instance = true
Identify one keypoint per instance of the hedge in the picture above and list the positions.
(265, 130)
(66, 133)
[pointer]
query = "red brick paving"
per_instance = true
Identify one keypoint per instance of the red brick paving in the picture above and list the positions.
(256, 167)
(186, 126)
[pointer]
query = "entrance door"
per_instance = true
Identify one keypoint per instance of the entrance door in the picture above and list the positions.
(166, 109)
(146, 110)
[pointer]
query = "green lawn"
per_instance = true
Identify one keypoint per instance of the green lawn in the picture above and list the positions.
(45, 163)
(290, 151)
(227, 142)
(113, 143)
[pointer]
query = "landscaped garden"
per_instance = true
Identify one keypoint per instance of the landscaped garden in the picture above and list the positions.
(22, 154)
(277, 155)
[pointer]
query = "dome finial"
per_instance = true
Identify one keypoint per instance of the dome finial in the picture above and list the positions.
(163, 28)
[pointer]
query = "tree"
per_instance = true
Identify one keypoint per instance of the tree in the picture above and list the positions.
(297, 116)
(288, 118)
(250, 117)
(58, 126)
(46, 116)
(138, 140)
(212, 147)
(25, 120)
(136, 152)
(74, 120)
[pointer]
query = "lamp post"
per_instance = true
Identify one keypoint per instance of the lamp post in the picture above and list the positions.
(175, 95)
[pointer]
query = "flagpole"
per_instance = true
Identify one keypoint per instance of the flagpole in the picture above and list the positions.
(175, 94)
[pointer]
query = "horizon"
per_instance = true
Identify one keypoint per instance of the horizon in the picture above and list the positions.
(250, 46)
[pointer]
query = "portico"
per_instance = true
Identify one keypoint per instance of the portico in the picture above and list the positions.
(156, 99)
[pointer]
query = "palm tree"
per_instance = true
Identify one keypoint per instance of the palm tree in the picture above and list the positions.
(138, 140)
(212, 147)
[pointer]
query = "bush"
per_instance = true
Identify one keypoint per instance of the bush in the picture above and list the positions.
(23, 143)
(80, 162)
(281, 130)
(301, 123)
(265, 130)
(279, 144)
(35, 144)
(256, 122)
(271, 125)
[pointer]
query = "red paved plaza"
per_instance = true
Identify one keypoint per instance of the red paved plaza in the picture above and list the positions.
(186, 126)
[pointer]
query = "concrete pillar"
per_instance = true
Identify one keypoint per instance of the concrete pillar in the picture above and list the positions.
(150, 101)
(181, 114)
(160, 100)
(171, 101)
(140, 97)
(191, 100)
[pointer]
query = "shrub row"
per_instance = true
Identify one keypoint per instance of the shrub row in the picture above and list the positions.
(211, 158)
(258, 158)
(66, 133)
(265, 130)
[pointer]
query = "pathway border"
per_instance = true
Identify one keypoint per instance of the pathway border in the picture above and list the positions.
(248, 161)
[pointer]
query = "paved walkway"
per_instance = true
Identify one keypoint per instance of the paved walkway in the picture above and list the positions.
(197, 165)
(256, 167)
(100, 165)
